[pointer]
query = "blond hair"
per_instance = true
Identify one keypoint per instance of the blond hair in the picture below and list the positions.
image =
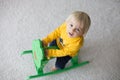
(81, 17)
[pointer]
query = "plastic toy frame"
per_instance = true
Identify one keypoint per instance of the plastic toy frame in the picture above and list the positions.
(40, 60)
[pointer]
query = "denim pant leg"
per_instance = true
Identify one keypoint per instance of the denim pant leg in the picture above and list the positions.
(62, 61)
(53, 43)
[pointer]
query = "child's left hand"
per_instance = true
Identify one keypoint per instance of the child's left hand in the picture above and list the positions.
(46, 52)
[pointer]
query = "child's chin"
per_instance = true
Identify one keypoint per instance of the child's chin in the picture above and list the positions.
(71, 36)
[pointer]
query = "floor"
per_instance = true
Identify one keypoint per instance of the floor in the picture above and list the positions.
(22, 21)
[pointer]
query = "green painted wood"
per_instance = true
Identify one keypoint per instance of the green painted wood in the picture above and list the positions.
(40, 60)
(26, 52)
(59, 71)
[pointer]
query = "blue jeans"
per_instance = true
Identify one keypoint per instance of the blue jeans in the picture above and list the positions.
(60, 61)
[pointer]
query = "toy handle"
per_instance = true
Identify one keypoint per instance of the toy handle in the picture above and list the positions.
(51, 47)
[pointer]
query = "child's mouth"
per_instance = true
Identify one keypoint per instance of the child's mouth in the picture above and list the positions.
(70, 34)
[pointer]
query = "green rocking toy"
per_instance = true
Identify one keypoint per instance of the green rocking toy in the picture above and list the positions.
(40, 60)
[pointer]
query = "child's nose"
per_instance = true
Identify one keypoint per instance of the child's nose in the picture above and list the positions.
(73, 30)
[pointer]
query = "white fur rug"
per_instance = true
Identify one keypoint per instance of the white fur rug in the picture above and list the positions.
(22, 21)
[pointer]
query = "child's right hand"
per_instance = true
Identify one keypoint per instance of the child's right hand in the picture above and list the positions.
(46, 51)
(46, 54)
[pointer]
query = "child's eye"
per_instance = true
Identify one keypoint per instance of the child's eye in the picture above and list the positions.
(71, 25)
(77, 30)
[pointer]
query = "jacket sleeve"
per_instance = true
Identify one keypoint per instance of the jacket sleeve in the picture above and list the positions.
(71, 50)
(53, 35)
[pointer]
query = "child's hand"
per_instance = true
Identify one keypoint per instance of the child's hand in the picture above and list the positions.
(44, 44)
(46, 52)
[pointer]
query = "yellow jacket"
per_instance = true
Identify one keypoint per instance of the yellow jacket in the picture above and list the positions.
(68, 46)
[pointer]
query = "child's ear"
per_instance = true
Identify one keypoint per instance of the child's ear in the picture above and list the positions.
(84, 34)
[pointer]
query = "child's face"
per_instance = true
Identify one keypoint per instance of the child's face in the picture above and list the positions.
(74, 28)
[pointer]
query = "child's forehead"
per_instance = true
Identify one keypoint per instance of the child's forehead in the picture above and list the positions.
(75, 21)
(73, 18)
